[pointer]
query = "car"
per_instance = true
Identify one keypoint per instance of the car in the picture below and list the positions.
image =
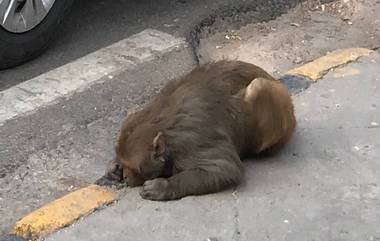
(26, 28)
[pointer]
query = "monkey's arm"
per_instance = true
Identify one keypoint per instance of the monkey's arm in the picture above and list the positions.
(211, 176)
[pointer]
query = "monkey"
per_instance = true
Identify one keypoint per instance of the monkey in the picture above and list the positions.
(192, 137)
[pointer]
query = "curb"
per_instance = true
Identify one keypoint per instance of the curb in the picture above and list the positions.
(317, 68)
(80, 74)
(61, 212)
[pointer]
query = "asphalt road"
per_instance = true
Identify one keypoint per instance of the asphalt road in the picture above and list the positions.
(93, 24)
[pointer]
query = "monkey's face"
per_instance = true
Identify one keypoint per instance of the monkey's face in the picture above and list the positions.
(136, 169)
(140, 156)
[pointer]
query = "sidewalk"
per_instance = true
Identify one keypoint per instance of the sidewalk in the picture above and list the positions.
(325, 185)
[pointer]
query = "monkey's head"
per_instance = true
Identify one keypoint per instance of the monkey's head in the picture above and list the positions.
(141, 155)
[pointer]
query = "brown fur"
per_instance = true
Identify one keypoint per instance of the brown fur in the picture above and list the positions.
(190, 138)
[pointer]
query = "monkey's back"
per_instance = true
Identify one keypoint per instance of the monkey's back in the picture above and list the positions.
(230, 76)
(202, 108)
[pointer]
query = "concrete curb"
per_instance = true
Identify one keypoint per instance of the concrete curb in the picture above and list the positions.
(80, 74)
(62, 212)
(317, 68)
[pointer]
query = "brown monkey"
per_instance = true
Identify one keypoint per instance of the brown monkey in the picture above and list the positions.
(190, 138)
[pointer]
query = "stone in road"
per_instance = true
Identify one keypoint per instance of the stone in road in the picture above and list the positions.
(325, 185)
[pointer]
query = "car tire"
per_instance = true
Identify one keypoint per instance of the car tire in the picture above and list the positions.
(17, 48)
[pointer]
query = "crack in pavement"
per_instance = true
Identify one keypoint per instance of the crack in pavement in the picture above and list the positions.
(236, 235)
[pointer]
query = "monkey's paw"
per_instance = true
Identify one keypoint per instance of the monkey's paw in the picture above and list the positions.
(157, 189)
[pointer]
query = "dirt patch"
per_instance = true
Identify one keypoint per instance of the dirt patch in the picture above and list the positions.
(307, 31)
(236, 15)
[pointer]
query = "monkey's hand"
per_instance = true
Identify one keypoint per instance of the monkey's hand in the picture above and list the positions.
(158, 189)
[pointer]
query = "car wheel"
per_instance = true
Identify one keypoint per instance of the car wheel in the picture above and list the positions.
(26, 26)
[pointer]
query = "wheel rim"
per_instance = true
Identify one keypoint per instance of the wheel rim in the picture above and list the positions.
(18, 16)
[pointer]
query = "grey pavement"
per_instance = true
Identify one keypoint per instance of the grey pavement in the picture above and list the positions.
(325, 185)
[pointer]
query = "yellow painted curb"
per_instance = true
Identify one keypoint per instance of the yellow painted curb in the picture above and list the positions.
(317, 68)
(62, 212)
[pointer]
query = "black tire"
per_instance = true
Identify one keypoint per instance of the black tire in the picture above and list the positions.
(17, 48)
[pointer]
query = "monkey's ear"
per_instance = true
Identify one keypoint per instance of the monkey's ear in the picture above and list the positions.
(159, 144)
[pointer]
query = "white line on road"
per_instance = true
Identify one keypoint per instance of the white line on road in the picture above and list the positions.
(83, 72)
